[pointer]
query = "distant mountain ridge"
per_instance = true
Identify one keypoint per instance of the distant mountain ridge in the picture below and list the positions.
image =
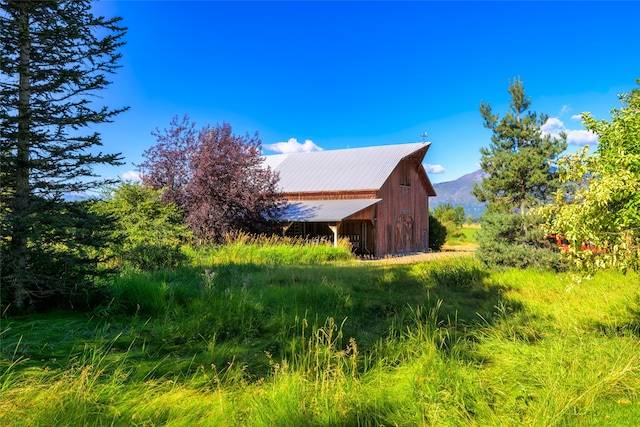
(458, 193)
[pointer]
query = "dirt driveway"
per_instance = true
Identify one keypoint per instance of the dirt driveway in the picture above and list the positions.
(446, 252)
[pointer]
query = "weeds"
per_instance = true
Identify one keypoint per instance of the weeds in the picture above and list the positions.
(242, 343)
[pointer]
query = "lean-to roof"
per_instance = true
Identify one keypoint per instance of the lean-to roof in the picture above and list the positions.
(324, 210)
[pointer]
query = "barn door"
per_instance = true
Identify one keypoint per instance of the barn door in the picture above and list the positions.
(404, 233)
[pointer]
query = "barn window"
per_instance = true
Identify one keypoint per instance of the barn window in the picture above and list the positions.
(405, 175)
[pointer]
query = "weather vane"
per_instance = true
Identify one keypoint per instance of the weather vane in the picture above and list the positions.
(424, 135)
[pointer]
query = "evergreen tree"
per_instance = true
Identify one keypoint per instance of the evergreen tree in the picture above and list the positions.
(55, 57)
(519, 161)
(520, 174)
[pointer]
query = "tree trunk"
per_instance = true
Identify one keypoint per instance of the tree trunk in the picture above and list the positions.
(22, 197)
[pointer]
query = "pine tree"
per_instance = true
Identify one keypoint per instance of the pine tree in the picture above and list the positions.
(55, 57)
(520, 174)
(519, 162)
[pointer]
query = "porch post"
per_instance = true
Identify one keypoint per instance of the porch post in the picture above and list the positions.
(286, 227)
(334, 228)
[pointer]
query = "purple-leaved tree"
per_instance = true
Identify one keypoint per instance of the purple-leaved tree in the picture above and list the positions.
(215, 176)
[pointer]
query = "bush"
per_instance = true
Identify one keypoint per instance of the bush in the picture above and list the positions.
(149, 257)
(504, 243)
(146, 233)
(502, 255)
(437, 234)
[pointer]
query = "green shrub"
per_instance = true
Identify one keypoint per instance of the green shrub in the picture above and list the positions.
(503, 255)
(505, 240)
(146, 232)
(437, 234)
(147, 257)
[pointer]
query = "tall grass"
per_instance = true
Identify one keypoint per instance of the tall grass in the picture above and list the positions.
(242, 248)
(261, 344)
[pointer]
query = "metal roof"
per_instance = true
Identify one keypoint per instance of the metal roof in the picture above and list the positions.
(324, 210)
(341, 170)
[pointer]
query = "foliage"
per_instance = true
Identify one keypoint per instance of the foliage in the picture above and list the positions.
(452, 219)
(437, 233)
(147, 233)
(63, 266)
(215, 176)
(55, 59)
(519, 167)
(503, 243)
(446, 213)
(600, 202)
(519, 161)
(332, 345)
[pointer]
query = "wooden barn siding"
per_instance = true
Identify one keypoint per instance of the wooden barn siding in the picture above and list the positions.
(367, 214)
(349, 227)
(331, 195)
(397, 198)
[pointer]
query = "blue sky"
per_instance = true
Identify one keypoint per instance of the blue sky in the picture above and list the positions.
(336, 74)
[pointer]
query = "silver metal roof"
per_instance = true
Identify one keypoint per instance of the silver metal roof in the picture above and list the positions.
(340, 170)
(324, 210)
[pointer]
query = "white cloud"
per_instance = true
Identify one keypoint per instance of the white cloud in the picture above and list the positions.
(554, 126)
(132, 176)
(293, 146)
(434, 169)
(581, 137)
(576, 117)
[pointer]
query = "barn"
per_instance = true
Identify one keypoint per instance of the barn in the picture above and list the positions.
(378, 196)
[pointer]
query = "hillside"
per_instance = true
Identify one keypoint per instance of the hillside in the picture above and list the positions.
(458, 193)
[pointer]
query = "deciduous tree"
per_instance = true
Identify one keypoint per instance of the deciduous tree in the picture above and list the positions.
(600, 202)
(446, 213)
(216, 177)
(56, 56)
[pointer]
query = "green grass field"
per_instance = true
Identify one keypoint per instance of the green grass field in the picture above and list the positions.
(466, 235)
(331, 343)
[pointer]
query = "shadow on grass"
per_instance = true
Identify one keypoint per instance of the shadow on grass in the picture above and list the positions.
(627, 324)
(244, 315)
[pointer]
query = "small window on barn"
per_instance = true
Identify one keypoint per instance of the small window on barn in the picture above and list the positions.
(405, 175)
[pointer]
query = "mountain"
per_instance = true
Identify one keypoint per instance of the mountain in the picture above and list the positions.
(458, 193)
(75, 197)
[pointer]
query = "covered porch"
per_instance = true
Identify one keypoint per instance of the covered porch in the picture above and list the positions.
(332, 219)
